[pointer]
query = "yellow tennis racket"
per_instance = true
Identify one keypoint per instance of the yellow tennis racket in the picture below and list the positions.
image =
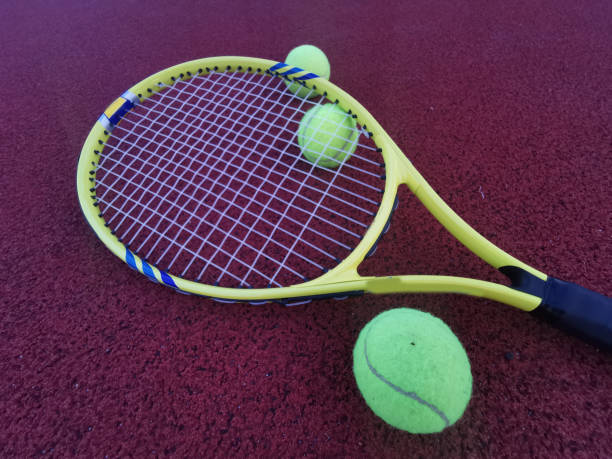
(195, 178)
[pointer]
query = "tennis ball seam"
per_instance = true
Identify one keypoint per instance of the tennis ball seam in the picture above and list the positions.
(412, 395)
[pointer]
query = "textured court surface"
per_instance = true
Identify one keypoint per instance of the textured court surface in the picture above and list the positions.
(505, 107)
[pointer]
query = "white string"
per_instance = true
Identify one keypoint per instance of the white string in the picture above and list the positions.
(182, 226)
(238, 134)
(317, 179)
(211, 207)
(193, 199)
(159, 233)
(221, 243)
(230, 90)
(214, 123)
(267, 204)
(305, 160)
(292, 132)
(252, 170)
(112, 185)
(140, 169)
(172, 222)
(283, 93)
(236, 193)
(299, 237)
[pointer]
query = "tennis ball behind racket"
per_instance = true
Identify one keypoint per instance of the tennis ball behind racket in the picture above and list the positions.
(412, 371)
(309, 58)
(327, 135)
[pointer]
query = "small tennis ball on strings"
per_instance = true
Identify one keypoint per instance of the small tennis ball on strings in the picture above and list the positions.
(327, 135)
(311, 59)
(412, 371)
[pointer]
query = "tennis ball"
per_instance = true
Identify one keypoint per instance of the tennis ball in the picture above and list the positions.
(327, 135)
(412, 371)
(309, 58)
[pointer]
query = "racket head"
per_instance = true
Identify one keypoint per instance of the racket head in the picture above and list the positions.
(339, 279)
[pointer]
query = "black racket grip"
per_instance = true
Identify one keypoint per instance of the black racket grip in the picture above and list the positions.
(572, 307)
(579, 310)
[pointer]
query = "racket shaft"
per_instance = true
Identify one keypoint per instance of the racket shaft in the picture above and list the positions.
(451, 284)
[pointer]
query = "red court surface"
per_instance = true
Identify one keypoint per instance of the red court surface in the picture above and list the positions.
(504, 106)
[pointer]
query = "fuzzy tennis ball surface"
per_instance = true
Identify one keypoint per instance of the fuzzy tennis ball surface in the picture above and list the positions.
(327, 135)
(309, 58)
(412, 371)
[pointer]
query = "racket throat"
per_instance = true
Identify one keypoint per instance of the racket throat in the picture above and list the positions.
(524, 281)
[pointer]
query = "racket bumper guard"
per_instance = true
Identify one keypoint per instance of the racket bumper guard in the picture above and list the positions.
(287, 70)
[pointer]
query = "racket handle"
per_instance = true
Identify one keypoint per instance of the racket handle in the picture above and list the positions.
(574, 308)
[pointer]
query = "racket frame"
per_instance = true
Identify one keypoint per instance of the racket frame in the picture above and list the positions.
(344, 278)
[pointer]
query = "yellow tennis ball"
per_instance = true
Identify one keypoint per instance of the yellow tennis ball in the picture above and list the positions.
(412, 371)
(327, 135)
(309, 58)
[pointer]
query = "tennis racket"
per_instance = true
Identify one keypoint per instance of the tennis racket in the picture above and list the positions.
(194, 177)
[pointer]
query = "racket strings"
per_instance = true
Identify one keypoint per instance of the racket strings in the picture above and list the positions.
(279, 91)
(291, 131)
(180, 177)
(228, 234)
(120, 148)
(343, 190)
(204, 241)
(285, 176)
(163, 217)
(205, 180)
(280, 123)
